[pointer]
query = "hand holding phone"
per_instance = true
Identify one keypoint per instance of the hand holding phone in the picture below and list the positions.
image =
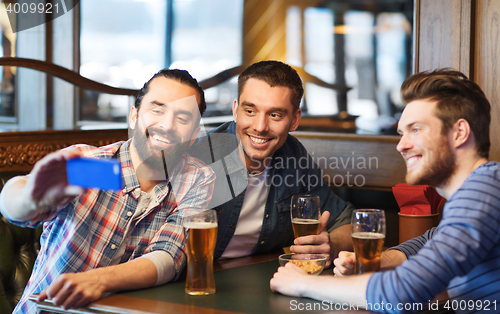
(104, 174)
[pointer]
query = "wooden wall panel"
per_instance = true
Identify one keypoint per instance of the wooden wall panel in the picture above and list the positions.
(465, 35)
(20, 150)
(356, 161)
(443, 34)
(487, 63)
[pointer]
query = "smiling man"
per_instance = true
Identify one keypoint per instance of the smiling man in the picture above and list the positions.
(265, 166)
(431, 160)
(445, 142)
(97, 241)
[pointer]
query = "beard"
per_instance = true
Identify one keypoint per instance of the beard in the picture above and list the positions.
(440, 169)
(157, 163)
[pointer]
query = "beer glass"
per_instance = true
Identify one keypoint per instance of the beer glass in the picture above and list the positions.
(200, 232)
(305, 212)
(368, 235)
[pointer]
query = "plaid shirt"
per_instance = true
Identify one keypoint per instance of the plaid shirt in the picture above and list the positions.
(85, 232)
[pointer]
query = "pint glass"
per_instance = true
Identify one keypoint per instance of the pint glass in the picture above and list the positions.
(200, 231)
(368, 235)
(305, 211)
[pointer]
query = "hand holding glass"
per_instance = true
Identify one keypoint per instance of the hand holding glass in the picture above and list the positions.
(368, 235)
(305, 211)
(200, 232)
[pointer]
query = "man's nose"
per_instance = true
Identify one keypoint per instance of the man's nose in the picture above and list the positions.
(404, 144)
(261, 123)
(167, 121)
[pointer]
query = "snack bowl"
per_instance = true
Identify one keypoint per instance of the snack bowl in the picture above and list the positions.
(313, 264)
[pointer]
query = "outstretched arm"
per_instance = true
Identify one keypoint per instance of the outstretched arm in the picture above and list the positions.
(74, 290)
(45, 186)
(294, 281)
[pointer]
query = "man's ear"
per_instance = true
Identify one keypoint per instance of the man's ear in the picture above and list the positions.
(132, 117)
(295, 120)
(461, 132)
(235, 110)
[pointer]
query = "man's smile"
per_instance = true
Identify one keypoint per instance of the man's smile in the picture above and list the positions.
(410, 161)
(259, 140)
(161, 139)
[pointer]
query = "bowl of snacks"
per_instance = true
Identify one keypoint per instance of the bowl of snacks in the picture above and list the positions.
(313, 264)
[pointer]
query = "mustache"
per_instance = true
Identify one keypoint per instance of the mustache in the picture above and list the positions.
(168, 134)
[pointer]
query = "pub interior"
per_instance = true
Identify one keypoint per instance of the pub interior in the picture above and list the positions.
(71, 77)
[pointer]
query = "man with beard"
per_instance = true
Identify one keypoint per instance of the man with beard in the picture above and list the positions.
(445, 142)
(264, 167)
(97, 241)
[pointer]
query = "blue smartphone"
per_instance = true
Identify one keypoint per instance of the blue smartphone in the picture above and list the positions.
(100, 173)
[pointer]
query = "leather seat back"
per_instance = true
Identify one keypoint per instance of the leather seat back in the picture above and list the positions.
(19, 248)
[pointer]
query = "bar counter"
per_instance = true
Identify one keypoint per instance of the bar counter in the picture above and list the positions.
(242, 287)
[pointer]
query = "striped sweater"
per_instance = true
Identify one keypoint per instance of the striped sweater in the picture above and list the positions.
(461, 255)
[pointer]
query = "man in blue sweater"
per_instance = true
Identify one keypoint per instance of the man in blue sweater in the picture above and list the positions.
(445, 142)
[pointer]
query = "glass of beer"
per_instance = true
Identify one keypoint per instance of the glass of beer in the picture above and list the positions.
(200, 232)
(368, 235)
(305, 211)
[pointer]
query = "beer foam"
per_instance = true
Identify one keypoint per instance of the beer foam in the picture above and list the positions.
(200, 225)
(305, 221)
(368, 235)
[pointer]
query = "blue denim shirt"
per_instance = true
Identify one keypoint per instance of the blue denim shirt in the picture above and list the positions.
(292, 171)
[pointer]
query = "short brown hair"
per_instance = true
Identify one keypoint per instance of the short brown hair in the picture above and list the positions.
(457, 97)
(274, 73)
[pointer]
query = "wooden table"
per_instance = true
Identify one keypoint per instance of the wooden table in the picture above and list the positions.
(242, 287)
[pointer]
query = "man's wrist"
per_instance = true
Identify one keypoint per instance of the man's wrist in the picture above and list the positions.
(391, 258)
(102, 278)
(307, 288)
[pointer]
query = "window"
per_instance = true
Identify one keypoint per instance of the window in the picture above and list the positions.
(319, 60)
(7, 74)
(206, 40)
(362, 47)
(352, 57)
(124, 42)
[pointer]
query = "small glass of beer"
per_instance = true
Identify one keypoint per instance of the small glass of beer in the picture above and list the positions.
(305, 211)
(368, 235)
(200, 232)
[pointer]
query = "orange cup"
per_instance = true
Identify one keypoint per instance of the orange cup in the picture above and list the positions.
(412, 226)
